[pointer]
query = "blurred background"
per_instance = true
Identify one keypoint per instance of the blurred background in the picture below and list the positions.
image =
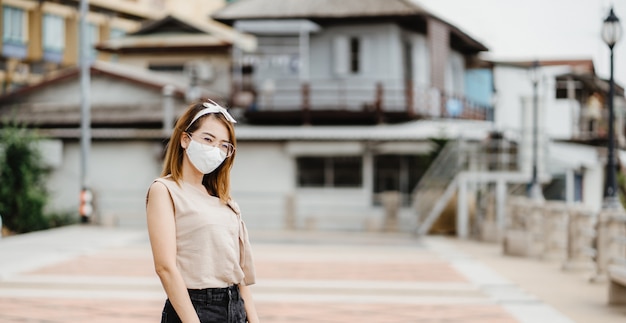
(492, 120)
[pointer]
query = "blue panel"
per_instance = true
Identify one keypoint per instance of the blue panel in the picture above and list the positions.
(52, 56)
(14, 50)
(479, 86)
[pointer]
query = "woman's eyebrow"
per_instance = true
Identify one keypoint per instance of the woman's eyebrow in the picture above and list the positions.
(208, 134)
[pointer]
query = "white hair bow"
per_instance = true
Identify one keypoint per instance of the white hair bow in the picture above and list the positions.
(211, 107)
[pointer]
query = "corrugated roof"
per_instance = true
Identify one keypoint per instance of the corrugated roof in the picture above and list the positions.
(414, 130)
(411, 131)
(333, 9)
(56, 113)
(133, 74)
(268, 9)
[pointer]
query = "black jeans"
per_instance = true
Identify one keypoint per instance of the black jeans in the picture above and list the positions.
(213, 305)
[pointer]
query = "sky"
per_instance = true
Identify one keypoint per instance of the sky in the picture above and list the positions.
(538, 29)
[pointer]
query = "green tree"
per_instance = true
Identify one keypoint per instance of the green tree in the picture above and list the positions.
(22, 187)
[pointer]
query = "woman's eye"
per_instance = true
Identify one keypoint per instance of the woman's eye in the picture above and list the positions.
(208, 139)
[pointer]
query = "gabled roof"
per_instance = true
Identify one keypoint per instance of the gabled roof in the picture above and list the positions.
(338, 10)
(123, 96)
(123, 72)
(169, 24)
(173, 32)
(280, 9)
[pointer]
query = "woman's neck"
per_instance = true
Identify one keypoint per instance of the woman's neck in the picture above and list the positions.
(191, 175)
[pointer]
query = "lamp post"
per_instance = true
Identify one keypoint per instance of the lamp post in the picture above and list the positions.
(611, 34)
(85, 208)
(611, 206)
(535, 192)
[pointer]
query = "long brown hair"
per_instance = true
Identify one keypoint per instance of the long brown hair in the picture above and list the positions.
(217, 182)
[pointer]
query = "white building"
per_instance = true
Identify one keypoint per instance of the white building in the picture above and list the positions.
(572, 123)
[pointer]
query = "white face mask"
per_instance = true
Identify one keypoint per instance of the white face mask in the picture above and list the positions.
(205, 158)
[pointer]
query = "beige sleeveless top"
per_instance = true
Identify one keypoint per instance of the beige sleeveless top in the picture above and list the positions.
(212, 246)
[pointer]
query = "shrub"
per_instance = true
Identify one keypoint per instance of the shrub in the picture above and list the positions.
(22, 187)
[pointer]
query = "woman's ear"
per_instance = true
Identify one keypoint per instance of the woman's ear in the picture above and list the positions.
(184, 140)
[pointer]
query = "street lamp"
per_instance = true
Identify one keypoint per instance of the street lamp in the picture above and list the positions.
(611, 34)
(535, 192)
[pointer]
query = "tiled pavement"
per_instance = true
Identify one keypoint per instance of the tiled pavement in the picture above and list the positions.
(91, 274)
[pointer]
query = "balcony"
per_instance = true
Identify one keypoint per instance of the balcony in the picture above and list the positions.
(332, 101)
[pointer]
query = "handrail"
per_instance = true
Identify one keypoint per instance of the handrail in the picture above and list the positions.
(386, 95)
(436, 186)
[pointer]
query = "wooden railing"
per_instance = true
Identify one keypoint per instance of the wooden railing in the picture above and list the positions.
(367, 95)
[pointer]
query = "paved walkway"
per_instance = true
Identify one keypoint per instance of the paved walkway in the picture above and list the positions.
(92, 274)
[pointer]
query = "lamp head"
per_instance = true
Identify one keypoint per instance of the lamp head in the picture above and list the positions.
(611, 29)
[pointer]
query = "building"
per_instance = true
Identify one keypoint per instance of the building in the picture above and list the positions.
(42, 37)
(130, 121)
(340, 103)
(197, 52)
(572, 123)
(354, 62)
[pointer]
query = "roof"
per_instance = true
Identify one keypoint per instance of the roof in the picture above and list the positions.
(176, 32)
(338, 10)
(592, 82)
(279, 9)
(409, 131)
(143, 111)
(135, 75)
(580, 65)
(581, 69)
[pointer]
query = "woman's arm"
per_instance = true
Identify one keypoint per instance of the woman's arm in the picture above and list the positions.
(162, 231)
(246, 295)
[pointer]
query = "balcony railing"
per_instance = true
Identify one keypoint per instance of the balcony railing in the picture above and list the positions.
(359, 95)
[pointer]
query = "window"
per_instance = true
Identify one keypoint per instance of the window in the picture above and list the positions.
(562, 85)
(347, 55)
(399, 173)
(347, 171)
(355, 49)
(14, 25)
(53, 30)
(330, 171)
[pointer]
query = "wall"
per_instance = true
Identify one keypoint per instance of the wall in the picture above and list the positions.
(261, 179)
(514, 93)
(264, 184)
(104, 91)
(381, 56)
(336, 87)
(221, 82)
(119, 173)
(593, 187)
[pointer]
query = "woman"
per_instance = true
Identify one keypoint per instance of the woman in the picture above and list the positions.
(199, 242)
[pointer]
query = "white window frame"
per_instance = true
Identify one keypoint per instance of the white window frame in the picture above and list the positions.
(15, 25)
(344, 56)
(53, 32)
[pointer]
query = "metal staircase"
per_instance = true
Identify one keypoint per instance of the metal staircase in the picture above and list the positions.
(461, 162)
(437, 186)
